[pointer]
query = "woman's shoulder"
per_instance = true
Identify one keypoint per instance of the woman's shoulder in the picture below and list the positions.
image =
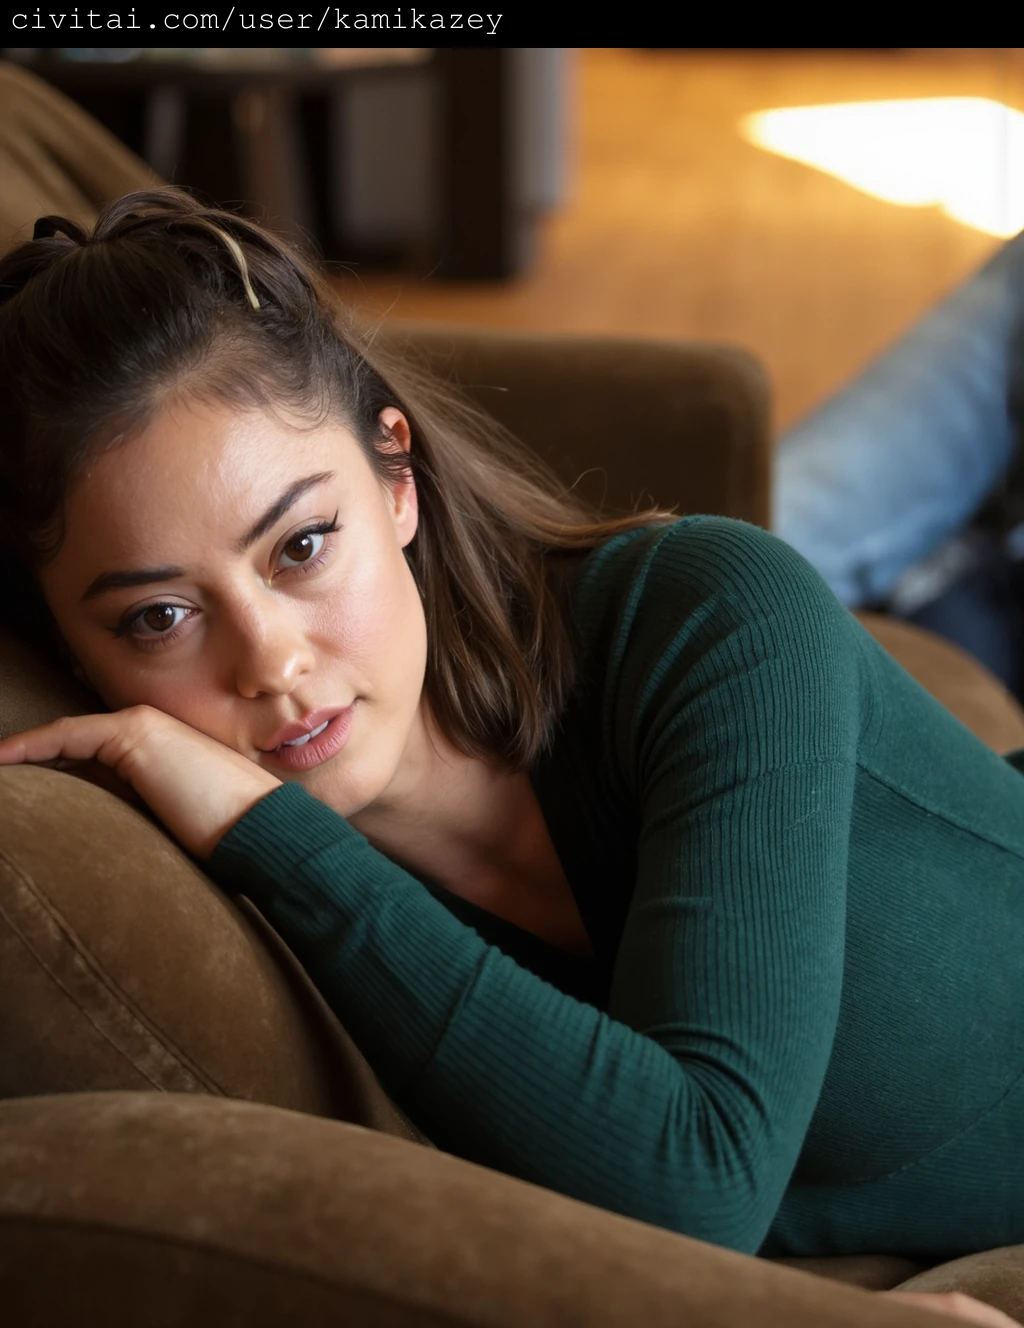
(726, 568)
(713, 626)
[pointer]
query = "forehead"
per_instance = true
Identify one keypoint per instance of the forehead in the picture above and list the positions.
(199, 465)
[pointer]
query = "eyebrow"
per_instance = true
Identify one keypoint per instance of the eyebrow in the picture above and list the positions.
(145, 576)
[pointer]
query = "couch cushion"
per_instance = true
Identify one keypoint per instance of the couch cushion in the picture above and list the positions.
(994, 1276)
(873, 1272)
(33, 690)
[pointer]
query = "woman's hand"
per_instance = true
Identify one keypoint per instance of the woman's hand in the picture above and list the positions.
(195, 785)
(955, 1303)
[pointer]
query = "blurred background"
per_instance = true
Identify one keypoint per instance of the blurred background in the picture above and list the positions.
(805, 204)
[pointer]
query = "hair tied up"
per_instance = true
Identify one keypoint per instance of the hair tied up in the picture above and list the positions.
(235, 249)
(47, 227)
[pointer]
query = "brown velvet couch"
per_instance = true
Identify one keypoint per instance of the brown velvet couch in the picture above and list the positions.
(187, 1134)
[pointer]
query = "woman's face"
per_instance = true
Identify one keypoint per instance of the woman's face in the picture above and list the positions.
(200, 575)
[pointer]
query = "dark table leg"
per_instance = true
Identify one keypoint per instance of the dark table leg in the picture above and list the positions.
(486, 229)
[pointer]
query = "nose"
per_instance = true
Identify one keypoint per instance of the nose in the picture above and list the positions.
(271, 652)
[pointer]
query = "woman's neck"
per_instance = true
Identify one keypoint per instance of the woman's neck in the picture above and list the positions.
(478, 831)
(450, 816)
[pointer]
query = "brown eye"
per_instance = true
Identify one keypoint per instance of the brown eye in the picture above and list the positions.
(303, 547)
(300, 548)
(159, 618)
(153, 623)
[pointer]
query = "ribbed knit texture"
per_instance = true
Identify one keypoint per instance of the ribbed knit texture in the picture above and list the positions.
(803, 881)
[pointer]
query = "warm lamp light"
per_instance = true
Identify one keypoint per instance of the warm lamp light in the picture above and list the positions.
(964, 155)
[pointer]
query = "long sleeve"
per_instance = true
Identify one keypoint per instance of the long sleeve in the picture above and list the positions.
(719, 674)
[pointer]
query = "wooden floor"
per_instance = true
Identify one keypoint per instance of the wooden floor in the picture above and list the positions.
(675, 227)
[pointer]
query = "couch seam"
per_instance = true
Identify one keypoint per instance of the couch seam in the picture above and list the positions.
(84, 956)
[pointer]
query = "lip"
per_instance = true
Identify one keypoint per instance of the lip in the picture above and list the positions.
(318, 749)
(297, 727)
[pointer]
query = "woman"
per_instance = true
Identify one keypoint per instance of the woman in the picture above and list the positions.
(632, 863)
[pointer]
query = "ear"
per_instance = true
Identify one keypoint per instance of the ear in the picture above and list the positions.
(403, 502)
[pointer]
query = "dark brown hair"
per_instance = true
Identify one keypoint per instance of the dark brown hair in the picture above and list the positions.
(165, 296)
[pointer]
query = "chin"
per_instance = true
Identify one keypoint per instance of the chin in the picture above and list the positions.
(347, 792)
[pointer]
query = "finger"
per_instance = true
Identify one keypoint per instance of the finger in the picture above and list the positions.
(99, 737)
(106, 737)
(63, 739)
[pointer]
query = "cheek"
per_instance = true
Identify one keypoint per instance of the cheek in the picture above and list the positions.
(373, 620)
(122, 677)
(188, 695)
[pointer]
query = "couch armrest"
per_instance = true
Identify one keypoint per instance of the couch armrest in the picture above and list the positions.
(682, 424)
(123, 967)
(963, 684)
(134, 1210)
(54, 158)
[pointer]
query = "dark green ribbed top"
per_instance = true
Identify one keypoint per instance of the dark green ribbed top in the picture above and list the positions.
(803, 1028)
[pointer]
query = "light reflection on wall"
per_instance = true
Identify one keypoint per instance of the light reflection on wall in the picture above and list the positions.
(964, 155)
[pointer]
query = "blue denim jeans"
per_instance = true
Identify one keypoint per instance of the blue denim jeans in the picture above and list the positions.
(879, 486)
